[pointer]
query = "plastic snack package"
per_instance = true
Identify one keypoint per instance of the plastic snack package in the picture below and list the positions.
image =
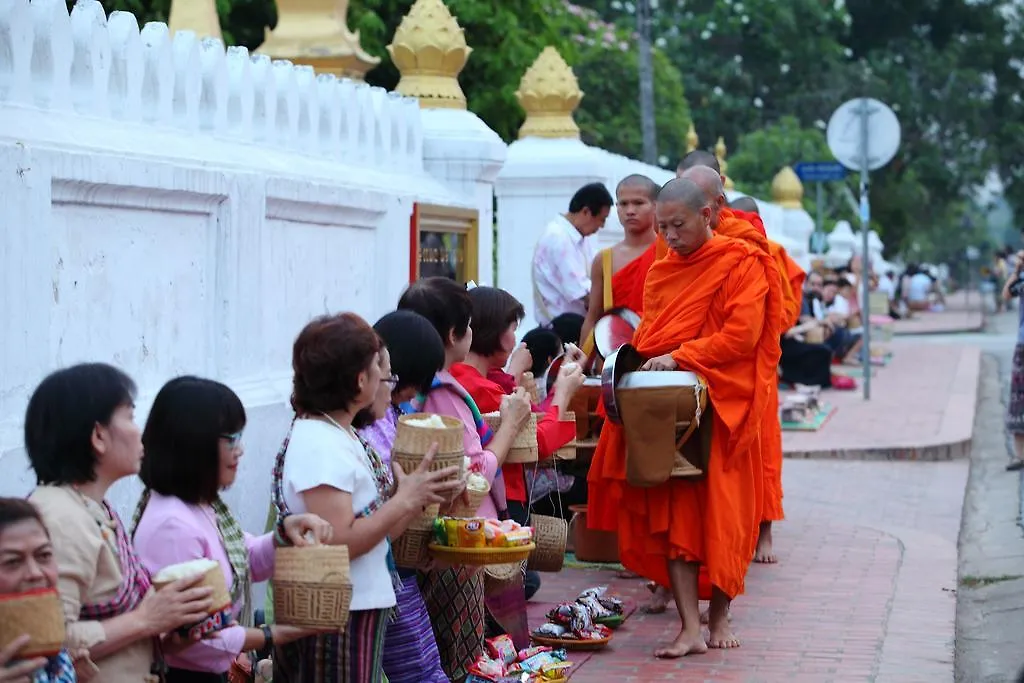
(596, 609)
(551, 630)
(528, 652)
(487, 668)
(471, 533)
(538, 661)
(502, 649)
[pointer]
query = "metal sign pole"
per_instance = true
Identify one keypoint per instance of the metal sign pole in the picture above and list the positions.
(865, 219)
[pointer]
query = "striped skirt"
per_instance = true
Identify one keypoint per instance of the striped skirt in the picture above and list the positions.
(1015, 407)
(354, 656)
(410, 650)
(455, 603)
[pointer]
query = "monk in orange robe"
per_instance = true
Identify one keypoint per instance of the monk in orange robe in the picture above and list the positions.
(748, 226)
(708, 308)
(627, 262)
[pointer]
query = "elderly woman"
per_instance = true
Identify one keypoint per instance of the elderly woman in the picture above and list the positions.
(27, 563)
(323, 468)
(413, 353)
(193, 447)
(454, 596)
(81, 438)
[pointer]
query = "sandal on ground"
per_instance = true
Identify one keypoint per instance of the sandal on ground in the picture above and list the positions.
(1015, 466)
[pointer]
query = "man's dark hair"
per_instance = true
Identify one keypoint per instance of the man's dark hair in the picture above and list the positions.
(62, 414)
(327, 357)
(417, 351)
(544, 346)
(593, 196)
(189, 417)
(445, 303)
(494, 310)
(568, 327)
(641, 181)
(699, 157)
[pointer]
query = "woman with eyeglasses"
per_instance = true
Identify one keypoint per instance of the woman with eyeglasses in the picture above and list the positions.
(193, 447)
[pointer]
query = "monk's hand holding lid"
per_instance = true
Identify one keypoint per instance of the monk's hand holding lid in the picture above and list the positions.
(661, 363)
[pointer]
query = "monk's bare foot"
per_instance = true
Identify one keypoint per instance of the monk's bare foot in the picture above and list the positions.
(764, 553)
(704, 615)
(688, 642)
(659, 599)
(721, 637)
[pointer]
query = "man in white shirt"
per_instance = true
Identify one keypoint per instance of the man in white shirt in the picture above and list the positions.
(562, 257)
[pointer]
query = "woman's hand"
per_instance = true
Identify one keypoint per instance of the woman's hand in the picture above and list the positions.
(421, 487)
(520, 361)
(181, 603)
(307, 529)
(515, 409)
(574, 354)
(21, 672)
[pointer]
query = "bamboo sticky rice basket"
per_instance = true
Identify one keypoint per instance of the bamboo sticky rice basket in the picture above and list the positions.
(524, 446)
(213, 578)
(468, 510)
(39, 615)
(410, 549)
(550, 534)
(413, 442)
(312, 586)
(568, 451)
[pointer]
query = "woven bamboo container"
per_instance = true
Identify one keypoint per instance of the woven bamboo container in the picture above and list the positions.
(412, 443)
(464, 510)
(39, 615)
(568, 451)
(312, 586)
(524, 446)
(213, 578)
(550, 534)
(502, 573)
(410, 549)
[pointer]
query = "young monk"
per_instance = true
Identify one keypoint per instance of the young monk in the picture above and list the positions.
(748, 226)
(708, 308)
(617, 274)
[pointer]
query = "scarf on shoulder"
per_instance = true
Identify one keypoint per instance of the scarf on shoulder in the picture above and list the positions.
(59, 669)
(485, 432)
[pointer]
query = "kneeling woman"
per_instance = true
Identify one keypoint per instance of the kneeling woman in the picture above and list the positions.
(193, 447)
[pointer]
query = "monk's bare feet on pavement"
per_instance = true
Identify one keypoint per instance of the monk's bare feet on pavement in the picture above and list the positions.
(659, 599)
(764, 553)
(720, 635)
(688, 642)
(704, 615)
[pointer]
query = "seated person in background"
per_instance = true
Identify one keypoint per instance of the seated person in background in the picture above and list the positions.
(544, 346)
(844, 342)
(568, 327)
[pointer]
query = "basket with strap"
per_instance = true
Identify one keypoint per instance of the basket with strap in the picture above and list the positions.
(524, 446)
(410, 549)
(550, 534)
(412, 443)
(312, 586)
(568, 451)
(37, 614)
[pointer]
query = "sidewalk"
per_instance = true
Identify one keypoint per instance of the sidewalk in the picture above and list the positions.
(963, 313)
(922, 407)
(864, 588)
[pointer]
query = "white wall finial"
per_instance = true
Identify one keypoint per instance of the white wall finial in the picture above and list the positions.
(264, 105)
(52, 51)
(157, 74)
(125, 66)
(90, 66)
(187, 87)
(328, 135)
(213, 96)
(241, 95)
(308, 123)
(16, 32)
(286, 125)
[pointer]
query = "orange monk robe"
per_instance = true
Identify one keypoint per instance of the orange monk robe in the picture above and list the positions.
(628, 283)
(716, 313)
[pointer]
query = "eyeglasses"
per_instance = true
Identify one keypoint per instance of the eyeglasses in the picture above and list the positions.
(234, 440)
(392, 380)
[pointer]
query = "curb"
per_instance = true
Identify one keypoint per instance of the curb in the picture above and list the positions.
(934, 453)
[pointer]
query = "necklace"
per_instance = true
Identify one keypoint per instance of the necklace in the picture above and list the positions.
(366, 458)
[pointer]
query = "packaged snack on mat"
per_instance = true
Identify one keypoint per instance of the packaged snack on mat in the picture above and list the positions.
(518, 537)
(471, 533)
(537, 662)
(485, 667)
(526, 653)
(551, 630)
(440, 534)
(581, 619)
(561, 614)
(558, 671)
(596, 609)
(610, 603)
(451, 529)
(596, 591)
(502, 649)
(597, 632)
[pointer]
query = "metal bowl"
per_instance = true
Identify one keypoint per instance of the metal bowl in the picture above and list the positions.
(618, 363)
(615, 328)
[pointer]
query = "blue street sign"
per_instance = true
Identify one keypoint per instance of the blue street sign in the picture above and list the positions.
(820, 171)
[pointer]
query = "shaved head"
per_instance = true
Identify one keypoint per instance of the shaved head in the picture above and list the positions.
(684, 217)
(698, 157)
(745, 204)
(642, 182)
(710, 182)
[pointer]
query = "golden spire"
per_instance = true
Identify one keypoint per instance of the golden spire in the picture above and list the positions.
(787, 190)
(720, 152)
(549, 94)
(198, 16)
(429, 49)
(691, 139)
(315, 33)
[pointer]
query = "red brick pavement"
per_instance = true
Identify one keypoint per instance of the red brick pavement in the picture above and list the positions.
(862, 591)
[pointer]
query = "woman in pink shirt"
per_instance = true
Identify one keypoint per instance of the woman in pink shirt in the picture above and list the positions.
(192, 449)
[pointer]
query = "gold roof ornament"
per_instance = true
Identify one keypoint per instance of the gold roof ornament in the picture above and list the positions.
(787, 190)
(198, 16)
(429, 49)
(720, 152)
(549, 94)
(315, 33)
(691, 139)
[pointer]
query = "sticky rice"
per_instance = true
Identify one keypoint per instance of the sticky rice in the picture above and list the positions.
(431, 422)
(184, 570)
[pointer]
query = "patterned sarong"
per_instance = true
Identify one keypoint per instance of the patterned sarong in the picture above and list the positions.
(352, 657)
(1015, 406)
(455, 602)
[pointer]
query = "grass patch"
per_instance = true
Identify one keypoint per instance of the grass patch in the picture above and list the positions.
(982, 581)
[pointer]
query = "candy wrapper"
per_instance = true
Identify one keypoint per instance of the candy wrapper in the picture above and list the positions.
(597, 632)
(552, 630)
(596, 592)
(614, 605)
(531, 651)
(538, 661)
(596, 609)
(502, 649)
(556, 671)
(487, 668)
(572, 614)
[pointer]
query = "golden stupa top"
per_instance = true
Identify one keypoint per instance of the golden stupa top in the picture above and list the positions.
(691, 139)
(198, 16)
(720, 152)
(314, 29)
(549, 94)
(787, 190)
(429, 49)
